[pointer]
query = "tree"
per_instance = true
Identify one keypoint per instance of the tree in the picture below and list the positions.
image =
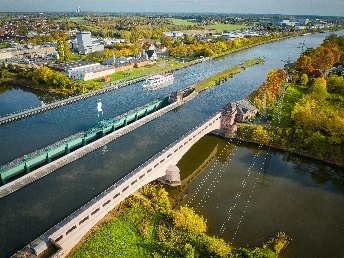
(187, 219)
(319, 87)
(261, 135)
(304, 64)
(4, 73)
(335, 84)
(188, 251)
(304, 79)
(63, 50)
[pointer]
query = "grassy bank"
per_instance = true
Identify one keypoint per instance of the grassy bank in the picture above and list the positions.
(144, 225)
(224, 75)
(159, 67)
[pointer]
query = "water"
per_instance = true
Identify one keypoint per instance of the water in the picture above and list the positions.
(31, 211)
(46, 128)
(248, 193)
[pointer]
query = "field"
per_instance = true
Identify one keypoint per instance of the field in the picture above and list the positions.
(229, 27)
(140, 71)
(146, 226)
(208, 28)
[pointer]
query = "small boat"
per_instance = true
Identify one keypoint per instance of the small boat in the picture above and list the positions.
(156, 81)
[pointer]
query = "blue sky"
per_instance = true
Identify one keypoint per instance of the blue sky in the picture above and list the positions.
(314, 7)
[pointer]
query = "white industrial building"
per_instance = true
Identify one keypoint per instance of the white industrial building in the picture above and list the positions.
(86, 44)
(84, 71)
(91, 72)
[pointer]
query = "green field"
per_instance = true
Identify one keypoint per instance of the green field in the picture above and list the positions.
(159, 67)
(75, 57)
(221, 27)
(4, 46)
(216, 27)
(181, 22)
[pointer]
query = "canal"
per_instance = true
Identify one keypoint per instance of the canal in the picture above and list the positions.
(29, 212)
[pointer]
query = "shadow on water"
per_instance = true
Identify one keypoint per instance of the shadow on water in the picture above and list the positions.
(248, 193)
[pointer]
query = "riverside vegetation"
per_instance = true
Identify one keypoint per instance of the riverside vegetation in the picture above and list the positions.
(306, 115)
(47, 80)
(144, 225)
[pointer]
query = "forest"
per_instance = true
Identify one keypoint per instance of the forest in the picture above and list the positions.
(306, 114)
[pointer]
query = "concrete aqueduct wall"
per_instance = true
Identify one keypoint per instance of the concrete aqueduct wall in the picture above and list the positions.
(69, 232)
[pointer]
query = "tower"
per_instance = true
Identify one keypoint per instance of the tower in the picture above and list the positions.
(84, 42)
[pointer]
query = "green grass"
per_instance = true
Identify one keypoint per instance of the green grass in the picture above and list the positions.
(181, 22)
(291, 96)
(159, 67)
(75, 57)
(117, 238)
(5, 45)
(222, 26)
(224, 75)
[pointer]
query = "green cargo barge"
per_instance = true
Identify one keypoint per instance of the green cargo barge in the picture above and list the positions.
(36, 159)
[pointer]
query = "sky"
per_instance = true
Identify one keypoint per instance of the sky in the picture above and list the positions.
(297, 7)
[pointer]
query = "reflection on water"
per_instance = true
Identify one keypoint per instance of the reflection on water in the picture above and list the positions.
(15, 99)
(248, 193)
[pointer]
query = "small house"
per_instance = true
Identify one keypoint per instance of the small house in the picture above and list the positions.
(245, 110)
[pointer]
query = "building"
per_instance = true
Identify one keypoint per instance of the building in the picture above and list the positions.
(86, 44)
(21, 52)
(83, 70)
(174, 34)
(245, 110)
(151, 52)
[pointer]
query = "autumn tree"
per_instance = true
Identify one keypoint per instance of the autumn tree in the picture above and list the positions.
(304, 79)
(320, 87)
(63, 50)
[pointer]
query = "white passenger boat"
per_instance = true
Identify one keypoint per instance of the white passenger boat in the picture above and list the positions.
(156, 81)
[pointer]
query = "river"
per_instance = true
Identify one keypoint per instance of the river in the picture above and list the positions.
(29, 212)
(248, 193)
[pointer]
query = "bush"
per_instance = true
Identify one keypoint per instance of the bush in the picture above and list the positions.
(185, 218)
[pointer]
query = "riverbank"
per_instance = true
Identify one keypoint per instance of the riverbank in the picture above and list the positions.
(144, 225)
(276, 146)
(77, 87)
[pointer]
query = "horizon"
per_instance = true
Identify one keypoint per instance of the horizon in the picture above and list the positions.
(168, 13)
(333, 8)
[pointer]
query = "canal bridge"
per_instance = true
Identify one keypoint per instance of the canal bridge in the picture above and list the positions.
(47, 160)
(163, 166)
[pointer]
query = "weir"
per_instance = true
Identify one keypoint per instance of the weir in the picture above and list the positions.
(42, 161)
